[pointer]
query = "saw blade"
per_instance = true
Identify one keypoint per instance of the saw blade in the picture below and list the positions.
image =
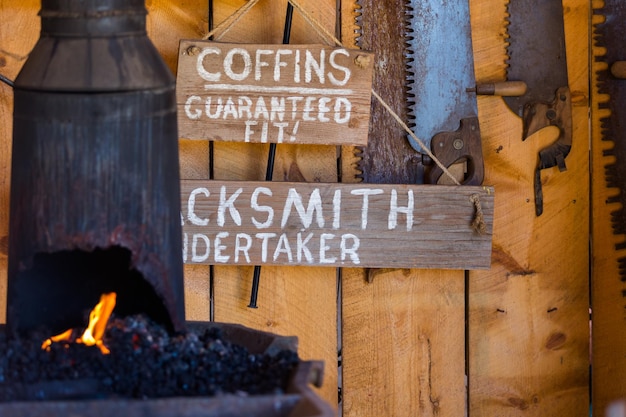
(440, 65)
(536, 50)
(609, 35)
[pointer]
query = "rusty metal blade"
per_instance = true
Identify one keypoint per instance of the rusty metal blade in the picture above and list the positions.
(537, 56)
(536, 50)
(440, 66)
(610, 35)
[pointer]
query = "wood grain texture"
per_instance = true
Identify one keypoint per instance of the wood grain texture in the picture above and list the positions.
(298, 94)
(341, 225)
(403, 343)
(402, 335)
(609, 302)
(296, 301)
(528, 315)
(19, 31)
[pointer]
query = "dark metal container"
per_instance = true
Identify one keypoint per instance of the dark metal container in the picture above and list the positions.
(95, 193)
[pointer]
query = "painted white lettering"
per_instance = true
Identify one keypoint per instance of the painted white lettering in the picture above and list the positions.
(264, 240)
(218, 108)
(306, 216)
(248, 132)
(296, 70)
(242, 247)
(322, 109)
(195, 256)
(261, 109)
(246, 67)
(283, 247)
(280, 127)
(191, 207)
(333, 63)
(278, 63)
(352, 250)
(259, 63)
(230, 205)
(392, 220)
(336, 209)
(365, 192)
(197, 113)
(312, 65)
(278, 108)
(202, 72)
(308, 108)
(301, 248)
(294, 106)
(344, 103)
(254, 203)
(230, 109)
(185, 246)
(244, 105)
(324, 248)
(218, 248)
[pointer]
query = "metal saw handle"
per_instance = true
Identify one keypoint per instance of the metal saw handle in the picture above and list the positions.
(538, 115)
(463, 144)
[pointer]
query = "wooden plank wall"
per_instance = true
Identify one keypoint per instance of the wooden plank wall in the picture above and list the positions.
(609, 296)
(404, 335)
(528, 315)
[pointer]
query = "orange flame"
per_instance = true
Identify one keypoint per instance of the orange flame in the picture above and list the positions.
(94, 332)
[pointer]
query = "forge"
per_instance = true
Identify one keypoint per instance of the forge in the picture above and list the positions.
(95, 209)
(95, 188)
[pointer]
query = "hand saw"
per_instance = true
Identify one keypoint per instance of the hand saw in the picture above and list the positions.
(442, 108)
(537, 57)
(612, 81)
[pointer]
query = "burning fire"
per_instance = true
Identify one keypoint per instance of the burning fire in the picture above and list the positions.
(94, 332)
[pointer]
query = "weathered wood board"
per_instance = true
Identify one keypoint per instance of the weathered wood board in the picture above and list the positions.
(294, 301)
(403, 334)
(335, 225)
(251, 93)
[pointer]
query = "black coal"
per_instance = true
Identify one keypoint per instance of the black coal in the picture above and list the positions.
(145, 362)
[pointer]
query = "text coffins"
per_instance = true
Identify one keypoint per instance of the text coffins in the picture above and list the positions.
(273, 93)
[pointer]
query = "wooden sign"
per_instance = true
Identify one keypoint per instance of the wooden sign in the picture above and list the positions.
(273, 93)
(337, 225)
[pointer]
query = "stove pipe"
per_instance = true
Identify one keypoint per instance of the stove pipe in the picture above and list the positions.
(95, 192)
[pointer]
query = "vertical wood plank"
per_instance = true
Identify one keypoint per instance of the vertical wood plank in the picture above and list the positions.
(528, 315)
(167, 23)
(19, 30)
(292, 301)
(403, 343)
(402, 335)
(609, 301)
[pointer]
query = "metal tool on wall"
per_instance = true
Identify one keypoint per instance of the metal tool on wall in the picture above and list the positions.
(442, 110)
(270, 165)
(612, 81)
(536, 50)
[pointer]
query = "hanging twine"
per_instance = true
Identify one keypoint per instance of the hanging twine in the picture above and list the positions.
(230, 21)
(478, 223)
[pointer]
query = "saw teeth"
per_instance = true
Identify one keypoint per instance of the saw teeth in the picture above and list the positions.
(358, 151)
(358, 23)
(409, 55)
(507, 38)
(611, 170)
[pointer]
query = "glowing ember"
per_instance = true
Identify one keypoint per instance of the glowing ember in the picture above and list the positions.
(98, 319)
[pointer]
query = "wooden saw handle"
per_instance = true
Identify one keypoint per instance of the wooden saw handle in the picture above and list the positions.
(502, 89)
